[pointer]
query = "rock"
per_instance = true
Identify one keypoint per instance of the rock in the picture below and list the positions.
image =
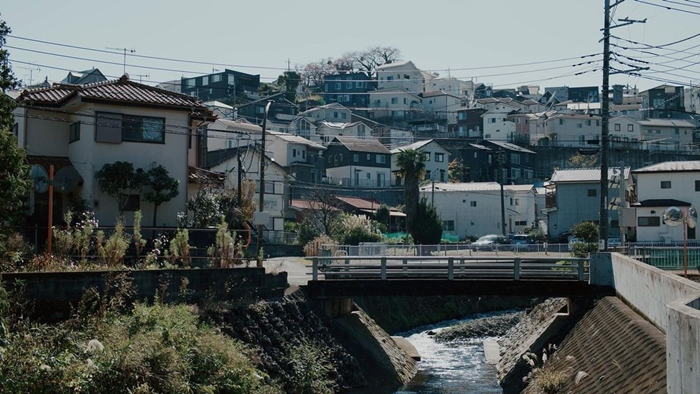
(492, 326)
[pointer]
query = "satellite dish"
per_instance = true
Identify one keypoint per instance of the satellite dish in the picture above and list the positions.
(66, 180)
(673, 216)
(691, 218)
(40, 178)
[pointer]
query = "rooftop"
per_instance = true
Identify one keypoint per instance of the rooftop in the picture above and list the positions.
(671, 166)
(360, 145)
(584, 175)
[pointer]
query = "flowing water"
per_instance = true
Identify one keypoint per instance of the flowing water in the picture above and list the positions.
(450, 367)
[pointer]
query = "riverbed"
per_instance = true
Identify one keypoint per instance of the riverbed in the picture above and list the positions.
(451, 367)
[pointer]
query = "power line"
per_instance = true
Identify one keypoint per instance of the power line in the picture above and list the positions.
(668, 7)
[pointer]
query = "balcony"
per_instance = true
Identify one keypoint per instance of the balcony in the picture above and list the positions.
(357, 183)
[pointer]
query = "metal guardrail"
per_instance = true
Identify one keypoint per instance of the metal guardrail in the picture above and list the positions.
(450, 268)
(381, 249)
(666, 257)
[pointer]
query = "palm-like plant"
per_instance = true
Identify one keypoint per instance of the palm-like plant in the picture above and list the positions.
(411, 167)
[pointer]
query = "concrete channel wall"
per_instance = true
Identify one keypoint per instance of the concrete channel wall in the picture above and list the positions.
(669, 301)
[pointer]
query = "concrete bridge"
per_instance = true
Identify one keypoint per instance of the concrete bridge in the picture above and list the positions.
(341, 277)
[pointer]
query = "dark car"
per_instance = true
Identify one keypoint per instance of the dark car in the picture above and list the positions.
(522, 239)
(489, 242)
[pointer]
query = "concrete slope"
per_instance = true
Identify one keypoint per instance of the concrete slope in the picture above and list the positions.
(610, 350)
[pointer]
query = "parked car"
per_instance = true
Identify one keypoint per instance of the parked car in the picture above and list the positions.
(489, 242)
(522, 239)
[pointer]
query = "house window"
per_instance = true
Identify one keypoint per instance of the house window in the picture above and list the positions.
(74, 132)
(369, 157)
(294, 153)
(405, 100)
(448, 225)
(472, 203)
(338, 86)
(15, 130)
(355, 158)
(492, 120)
(348, 85)
(205, 80)
(521, 222)
(427, 156)
(648, 221)
(665, 184)
(390, 78)
(260, 110)
(588, 122)
(381, 159)
(439, 157)
(462, 116)
(582, 139)
(517, 202)
(592, 192)
(579, 125)
(231, 79)
(630, 128)
(343, 115)
(561, 121)
(697, 186)
(515, 158)
(143, 129)
(116, 128)
(189, 83)
(303, 154)
(358, 84)
(515, 173)
(394, 100)
(614, 223)
(130, 202)
(216, 78)
(617, 127)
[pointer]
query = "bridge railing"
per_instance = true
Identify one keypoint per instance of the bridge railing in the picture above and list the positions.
(381, 249)
(450, 268)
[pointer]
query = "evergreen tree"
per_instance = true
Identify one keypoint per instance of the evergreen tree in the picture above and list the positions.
(411, 164)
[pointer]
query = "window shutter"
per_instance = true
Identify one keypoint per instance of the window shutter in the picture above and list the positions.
(108, 128)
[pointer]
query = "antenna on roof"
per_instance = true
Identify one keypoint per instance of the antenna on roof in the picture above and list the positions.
(125, 51)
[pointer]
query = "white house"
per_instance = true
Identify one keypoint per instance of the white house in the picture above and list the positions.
(474, 209)
(652, 134)
(394, 102)
(451, 85)
(401, 75)
(88, 126)
(436, 164)
(227, 134)
(326, 131)
(572, 129)
(659, 186)
(442, 105)
(497, 126)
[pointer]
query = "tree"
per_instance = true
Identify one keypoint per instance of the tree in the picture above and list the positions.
(455, 171)
(312, 74)
(162, 187)
(14, 178)
(411, 164)
(368, 60)
(582, 161)
(430, 230)
(383, 216)
(289, 81)
(586, 234)
(14, 171)
(7, 81)
(120, 179)
(323, 215)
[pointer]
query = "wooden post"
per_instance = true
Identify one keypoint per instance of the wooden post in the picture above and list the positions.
(581, 271)
(314, 268)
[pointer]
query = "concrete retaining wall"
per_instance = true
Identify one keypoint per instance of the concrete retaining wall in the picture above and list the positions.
(669, 301)
(55, 293)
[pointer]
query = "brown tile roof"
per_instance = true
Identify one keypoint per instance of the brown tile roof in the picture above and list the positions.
(612, 350)
(119, 90)
(362, 145)
(204, 177)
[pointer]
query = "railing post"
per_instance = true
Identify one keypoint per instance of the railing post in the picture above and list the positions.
(450, 269)
(314, 268)
(383, 268)
(581, 270)
(516, 269)
(405, 267)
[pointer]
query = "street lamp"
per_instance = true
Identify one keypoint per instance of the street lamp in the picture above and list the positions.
(261, 206)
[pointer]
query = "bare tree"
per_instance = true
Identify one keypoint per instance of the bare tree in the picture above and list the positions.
(312, 74)
(373, 57)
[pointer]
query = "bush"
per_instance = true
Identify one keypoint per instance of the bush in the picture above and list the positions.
(429, 232)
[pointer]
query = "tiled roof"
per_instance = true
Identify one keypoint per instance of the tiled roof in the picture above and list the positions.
(359, 203)
(296, 139)
(360, 145)
(509, 146)
(666, 123)
(118, 90)
(201, 176)
(475, 187)
(671, 166)
(610, 350)
(416, 146)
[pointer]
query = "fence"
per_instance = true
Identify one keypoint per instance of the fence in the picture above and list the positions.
(666, 257)
(457, 249)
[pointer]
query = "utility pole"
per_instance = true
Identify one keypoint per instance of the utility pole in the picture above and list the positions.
(501, 159)
(605, 115)
(240, 175)
(262, 186)
(605, 118)
(432, 197)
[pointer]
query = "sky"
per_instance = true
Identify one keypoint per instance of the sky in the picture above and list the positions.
(503, 43)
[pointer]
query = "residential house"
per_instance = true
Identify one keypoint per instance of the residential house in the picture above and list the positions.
(481, 162)
(659, 186)
(326, 131)
(276, 180)
(394, 103)
(470, 122)
(529, 127)
(355, 162)
(436, 163)
(303, 159)
(573, 196)
(348, 89)
(652, 134)
(572, 130)
(84, 77)
(496, 123)
(220, 85)
(442, 106)
(451, 85)
(474, 209)
(87, 126)
(585, 94)
(661, 99)
(254, 111)
(401, 75)
(226, 134)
